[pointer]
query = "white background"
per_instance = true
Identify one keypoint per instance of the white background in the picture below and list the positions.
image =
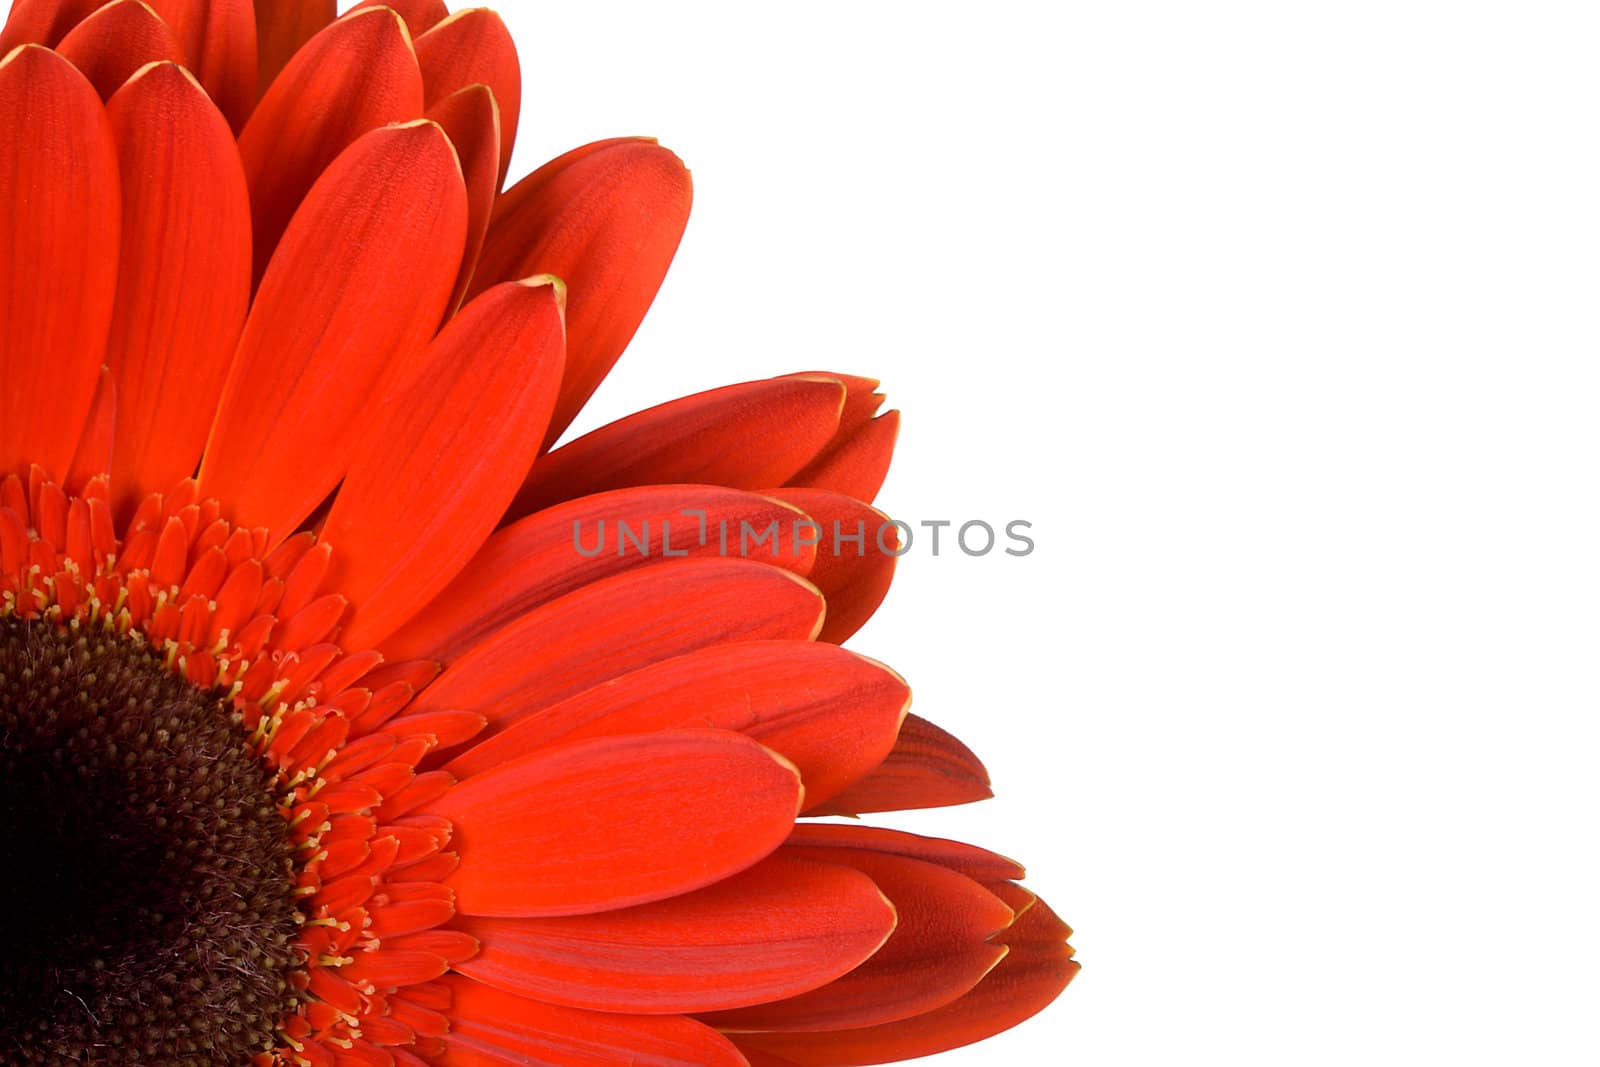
(1278, 321)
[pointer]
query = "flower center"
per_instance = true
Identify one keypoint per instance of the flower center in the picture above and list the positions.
(147, 899)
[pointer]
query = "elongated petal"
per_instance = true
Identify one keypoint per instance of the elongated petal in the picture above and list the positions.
(420, 15)
(114, 42)
(58, 256)
(857, 463)
(354, 293)
(491, 1028)
(940, 950)
(618, 625)
(445, 456)
(471, 117)
(928, 768)
(832, 713)
(218, 42)
(855, 557)
(747, 436)
(473, 47)
(43, 21)
(92, 456)
(782, 927)
(1037, 967)
(355, 76)
(184, 283)
(607, 218)
(282, 27)
(617, 821)
(976, 863)
(549, 554)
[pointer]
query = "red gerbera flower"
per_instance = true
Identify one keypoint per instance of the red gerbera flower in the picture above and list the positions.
(323, 738)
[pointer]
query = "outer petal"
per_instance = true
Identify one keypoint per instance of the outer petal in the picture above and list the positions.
(43, 21)
(780, 928)
(745, 436)
(549, 554)
(446, 456)
(282, 27)
(490, 1028)
(857, 463)
(1037, 968)
(58, 256)
(976, 863)
(473, 47)
(218, 41)
(617, 821)
(356, 291)
(940, 950)
(184, 284)
(607, 629)
(420, 15)
(855, 557)
(472, 119)
(114, 42)
(928, 768)
(92, 457)
(354, 76)
(607, 218)
(832, 713)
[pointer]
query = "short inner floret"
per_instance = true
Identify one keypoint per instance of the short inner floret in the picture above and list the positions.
(147, 904)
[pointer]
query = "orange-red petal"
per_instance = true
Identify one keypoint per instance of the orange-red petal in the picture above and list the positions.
(855, 557)
(92, 456)
(184, 283)
(471, 118)
(473, 47)
(282, 27)
(218, 43)
(58, 256)
(357, 75)
(977, 863)
(115, 41)
(857, 463)
(445, 455)
(491, 1028)
(612, 627)
(43, 21)
(746, 436)
(606, 218)
(553, 552)
(616, 821)
(928, 768)
(354, 293)
(780, 928)
(420, 15)
(830, 712)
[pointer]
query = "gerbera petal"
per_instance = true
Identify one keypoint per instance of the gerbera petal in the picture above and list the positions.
(420, 15)
(282, 27)
(553, 552)
(357, 75)
(471, 117)
(92, 456)
(745, 436)
(928, 768)
(473, 47)
(939, 950)
(855, 557)
(606, 218)
(58, 256)
(218, 40)
(616, 821)
(780, 928)
(446, 455)
(184, 283)
(977, 863)
(1037, 968)
(832, 713)
(857, 463)
(115, 41)
(618, 625)
(43, 21)
(491, 1028)
(354, 293)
